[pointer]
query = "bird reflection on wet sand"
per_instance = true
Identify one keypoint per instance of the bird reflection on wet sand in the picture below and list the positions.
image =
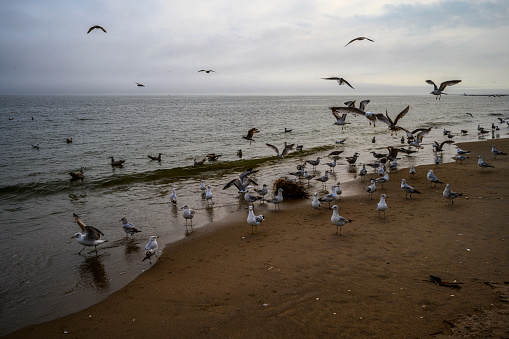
(92, 273)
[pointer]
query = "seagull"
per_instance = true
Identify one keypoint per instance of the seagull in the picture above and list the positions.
(307, 176)
(372, 117)
(483, 164)
(128, 227)
(36, 146)
(340, 119)
(363, 171)
(460, 158)
(408, 189)
(329, 197)
(285, 152)
(382, 205)
(432, 178)
(351, 160)
(139, 85)
(206, 70)
(438, 90)
(203, 187)
(277, 199)
(324, 178)
(151, 248)
(316, 203)
(242, 181)
(332, 164)
(390, 123)
(173, 196)
(459, 151)
(262, 191)
(359, 38)
(412, 170)
(208, 195)
(254, 220)
(117, 163)
(448, 194)
(340, 81)
(371, 189)
(383, 180)
(89, 236)
(439, 147)
(94, 27)
(287, 130)
(80, 175)
(250, 134)
(239, 153)
(339, 191)
(249, 197)
(158, 158)
(314, 163)
(188, 214)
(496, 152)
(338, 220)
(438, 160)
(342, 141)
(212, 156)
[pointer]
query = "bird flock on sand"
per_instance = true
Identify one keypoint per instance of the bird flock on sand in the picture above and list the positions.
(383, 163)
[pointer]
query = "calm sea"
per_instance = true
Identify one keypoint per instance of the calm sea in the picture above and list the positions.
(43, 277)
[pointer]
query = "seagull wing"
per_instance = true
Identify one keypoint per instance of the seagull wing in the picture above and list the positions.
(363, 104)
(251, 132)
(80, 222)
(369, 39)
(331, 78)
(432, 83)
(335, 113)
(346, 82)
(401, 114)
(384, 118)
(352, 110)
(93, 233)
(287, 149)
(350, 103)
(273, 147)
(235, 182)
(351, 41)
(444, 84)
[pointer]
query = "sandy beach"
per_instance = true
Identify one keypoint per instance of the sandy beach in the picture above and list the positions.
(296, 278)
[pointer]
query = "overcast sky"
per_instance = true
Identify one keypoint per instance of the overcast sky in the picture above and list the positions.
(256, 47)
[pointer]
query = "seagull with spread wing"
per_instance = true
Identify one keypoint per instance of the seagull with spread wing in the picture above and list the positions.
(94, 27)
(438, 90)
(89, 236)
(285, 152)
(359, 39)
(340, 81)
(250, 134)
(392, 124)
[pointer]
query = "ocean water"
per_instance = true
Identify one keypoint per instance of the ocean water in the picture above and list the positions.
(43, 277)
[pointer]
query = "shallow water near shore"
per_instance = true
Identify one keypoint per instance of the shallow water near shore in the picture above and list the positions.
(45, 278)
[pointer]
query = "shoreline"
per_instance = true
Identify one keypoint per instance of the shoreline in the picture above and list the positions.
(368, 282)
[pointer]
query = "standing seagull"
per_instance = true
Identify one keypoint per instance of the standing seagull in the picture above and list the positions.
(208, 195)
(250, 134)
(371, 189)
(128, 227)
(448, 194)
(188, 214)
(438, 90)
(329, 197)
(315, 203)
(277, 199)
(90, 236)
(151, 248)
(254, 220)
(496, 152)
(340, 81)
(94, 27)
(483, 164)
(432, 178)
(173, 196)
(359, 38)
(338, 220)
(408, 189)
(314, 163)
(382, 205)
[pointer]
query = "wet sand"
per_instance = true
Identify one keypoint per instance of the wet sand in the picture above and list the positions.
(295, 277)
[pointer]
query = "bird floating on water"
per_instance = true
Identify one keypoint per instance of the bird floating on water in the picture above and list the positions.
(358, 39)
(89, 236)
(116, 163)
(438, 91)
(96, 27)
(158, 158)
(80, 175)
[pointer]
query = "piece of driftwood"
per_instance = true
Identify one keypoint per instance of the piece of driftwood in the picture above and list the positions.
(439, 282)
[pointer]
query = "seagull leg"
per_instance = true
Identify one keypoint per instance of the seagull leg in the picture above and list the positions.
(82, 250)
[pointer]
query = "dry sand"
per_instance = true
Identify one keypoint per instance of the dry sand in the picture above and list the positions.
(296, 278)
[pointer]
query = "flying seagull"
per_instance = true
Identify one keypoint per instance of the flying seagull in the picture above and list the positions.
(285, 152)
(392, 123)
(250, 134)
(206, 70)
(139, 85)
(340, 81)
(94, 27)
(438, 90)
(359, 38)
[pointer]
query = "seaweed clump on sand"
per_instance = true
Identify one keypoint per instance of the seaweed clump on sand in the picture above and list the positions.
(291, 188)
